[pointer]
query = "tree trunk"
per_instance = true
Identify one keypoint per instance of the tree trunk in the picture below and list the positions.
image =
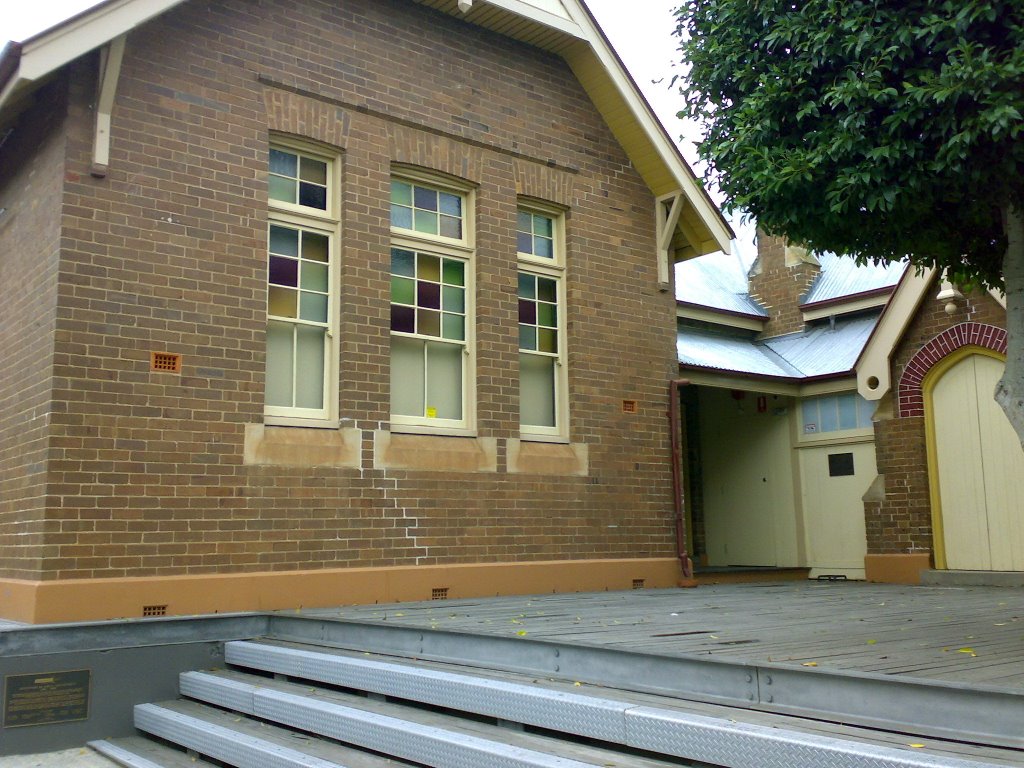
(1010, 390)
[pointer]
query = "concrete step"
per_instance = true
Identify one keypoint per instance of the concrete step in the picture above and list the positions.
(424, 736)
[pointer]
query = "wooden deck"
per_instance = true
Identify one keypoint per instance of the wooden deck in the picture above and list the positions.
(970, 636)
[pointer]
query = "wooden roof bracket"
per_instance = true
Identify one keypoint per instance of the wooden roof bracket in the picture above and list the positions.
(666, 211)
(110, 70)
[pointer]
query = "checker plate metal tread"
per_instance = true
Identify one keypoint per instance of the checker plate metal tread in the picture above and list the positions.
(739, 745)
(556, 710)
(223, 692)
(400, 738)
(221, 743)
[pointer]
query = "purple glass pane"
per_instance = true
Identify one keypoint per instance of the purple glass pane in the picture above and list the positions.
(527, 312)
(428, 295)
(403, 319)
(284, 271)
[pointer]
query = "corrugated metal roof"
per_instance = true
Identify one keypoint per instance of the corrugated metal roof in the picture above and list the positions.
(717, 281)
(819, 351)
(841, 276)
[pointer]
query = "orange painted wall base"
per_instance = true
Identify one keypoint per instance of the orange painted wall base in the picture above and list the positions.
(47, 602)
(897, 569)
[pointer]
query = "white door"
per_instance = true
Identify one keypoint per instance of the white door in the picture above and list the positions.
(980, 467)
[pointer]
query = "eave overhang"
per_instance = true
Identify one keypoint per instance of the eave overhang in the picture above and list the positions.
(702, 313)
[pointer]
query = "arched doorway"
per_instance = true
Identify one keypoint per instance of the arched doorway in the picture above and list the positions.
(976, 466)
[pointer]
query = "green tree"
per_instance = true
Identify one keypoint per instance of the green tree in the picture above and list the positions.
(883, 129)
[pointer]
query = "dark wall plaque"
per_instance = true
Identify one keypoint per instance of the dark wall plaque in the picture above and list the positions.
(840, 464)
(46, 697)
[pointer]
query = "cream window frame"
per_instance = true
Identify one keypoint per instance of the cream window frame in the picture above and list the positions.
(553, 268)
(462, 249)
(325, 222)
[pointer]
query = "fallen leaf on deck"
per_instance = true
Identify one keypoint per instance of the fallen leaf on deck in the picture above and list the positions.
(916, 746)
(809, 664)
(872, 642)
(521, 633)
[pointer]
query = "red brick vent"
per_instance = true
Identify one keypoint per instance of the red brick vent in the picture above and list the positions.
(439, 593)
(166, 362)
(630, 406)
(911, 396)
(154, 610)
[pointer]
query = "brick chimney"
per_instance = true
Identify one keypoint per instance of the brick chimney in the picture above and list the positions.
(782, 274)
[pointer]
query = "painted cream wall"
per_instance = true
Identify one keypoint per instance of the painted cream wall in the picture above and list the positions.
(979, 466)
(750, 510)
(833, 507)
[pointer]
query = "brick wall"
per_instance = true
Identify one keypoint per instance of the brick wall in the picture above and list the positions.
(31, 167)
(901, 522)
(778, 282)
(168, 254)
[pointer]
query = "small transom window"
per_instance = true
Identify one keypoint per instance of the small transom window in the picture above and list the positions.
(297, 179)
(535, 234)
(426, 210)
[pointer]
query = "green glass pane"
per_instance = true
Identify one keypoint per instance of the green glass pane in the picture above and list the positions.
(284, 241)
(527, 337)
(403, 290)
(454, 272)
(542, 226)
(313, 170)
(314, 277)
(524, 221)
(313, 307)
(401, 193)
(429, 268)
(547, 290)
(547, 314)
(283, 162)
(547, 340)
(282, 302)
(453, 299)
(426, 222)
(282, 189)
(527, 286)
(428, 322)
(315, 247)
(403, 262)
(453, 327)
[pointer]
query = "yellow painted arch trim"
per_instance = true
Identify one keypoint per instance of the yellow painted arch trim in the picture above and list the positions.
(928, 383)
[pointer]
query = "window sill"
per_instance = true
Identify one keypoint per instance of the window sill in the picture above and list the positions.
(279, 446)
(434, 453)
(527, 457)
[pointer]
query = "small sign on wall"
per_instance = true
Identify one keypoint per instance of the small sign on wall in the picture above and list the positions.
(46, 697)
(840, 464)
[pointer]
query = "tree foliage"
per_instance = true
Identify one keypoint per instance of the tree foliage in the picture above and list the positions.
(883, 130)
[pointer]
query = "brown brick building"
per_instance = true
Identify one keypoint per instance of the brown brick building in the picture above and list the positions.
(312, 303)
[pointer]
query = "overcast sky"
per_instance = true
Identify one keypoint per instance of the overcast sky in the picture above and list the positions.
(640, 31)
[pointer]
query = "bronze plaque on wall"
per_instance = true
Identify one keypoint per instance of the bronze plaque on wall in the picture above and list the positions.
(46, 697)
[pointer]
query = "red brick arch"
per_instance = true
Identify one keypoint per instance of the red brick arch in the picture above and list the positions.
(911, 395)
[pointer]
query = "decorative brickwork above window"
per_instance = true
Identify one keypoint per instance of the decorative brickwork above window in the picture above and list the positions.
(911, 396)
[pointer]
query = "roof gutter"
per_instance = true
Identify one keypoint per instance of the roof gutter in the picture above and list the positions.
(849, 298)
(768, 377)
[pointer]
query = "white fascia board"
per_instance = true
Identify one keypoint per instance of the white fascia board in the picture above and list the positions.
(725, 381)
(49, 51)
(843, 308)
(565, 24)
(721, 318)
(873, 379)
(829, 387)
(999, 296)
(669, 153)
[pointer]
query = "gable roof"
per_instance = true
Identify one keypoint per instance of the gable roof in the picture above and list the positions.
(563, 27)
(717, 282)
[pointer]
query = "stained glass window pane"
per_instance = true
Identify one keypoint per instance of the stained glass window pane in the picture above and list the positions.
(428, 295)
(313, 307)
(403, 290)
(283, 163)
(314, 246)
(284, 241)
(444, 380)
(401, 193)
(314, 171)
(451, 227)
(403, 319)
(403, 262)
(527, 312)
(543, 247)
(524, 242)
(314, 277)
(453, 327)
(278, 387)
(281, 189)
(454, 299)
(536, 391)
(527, 337)
(524, 221)
(547, 314)
(284, 271)
(547, 340)
(429, 268)
(407, 370)
(309, 367)
(527, 286)
(454, 272)
(543, 226)
(425, 199)
(450, 204)
(547, 290)
(312, 195)
(428, 322)
(401, 217)
(426, 222)
(282, 302)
